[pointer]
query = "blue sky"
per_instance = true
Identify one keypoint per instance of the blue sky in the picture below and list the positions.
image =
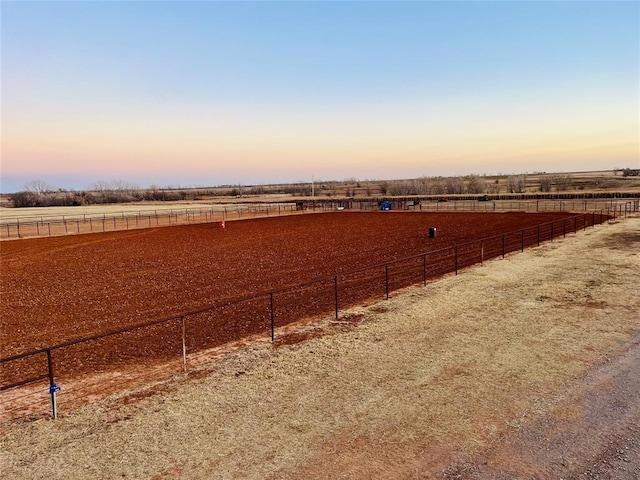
(211, 93)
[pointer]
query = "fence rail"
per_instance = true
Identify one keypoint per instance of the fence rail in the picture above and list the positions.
(183, 335)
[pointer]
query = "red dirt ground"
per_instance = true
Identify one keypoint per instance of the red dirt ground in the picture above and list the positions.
(64, 288)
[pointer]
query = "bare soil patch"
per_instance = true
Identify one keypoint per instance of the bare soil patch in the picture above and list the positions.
(489, 374)
(65, 288)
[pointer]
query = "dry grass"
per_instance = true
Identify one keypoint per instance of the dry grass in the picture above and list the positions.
(393, 391)
(10, 214)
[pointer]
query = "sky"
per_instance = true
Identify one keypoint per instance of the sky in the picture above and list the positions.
(246, 93)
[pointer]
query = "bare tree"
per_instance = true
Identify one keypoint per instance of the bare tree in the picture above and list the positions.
(545, 184)
(115, 191)
(517, 183)
(561, 182)
(113, 186)
(437, 186)
(454, 185)
(401, 187)
(475, 184)
(428, 186)
(38, 186)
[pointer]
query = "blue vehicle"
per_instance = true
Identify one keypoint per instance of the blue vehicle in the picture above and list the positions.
(385, 205)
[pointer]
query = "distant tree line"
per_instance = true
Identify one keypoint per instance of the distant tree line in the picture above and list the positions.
(38, 193)
(560, 183)
(473, 185)
(469, 184)
(435, 186)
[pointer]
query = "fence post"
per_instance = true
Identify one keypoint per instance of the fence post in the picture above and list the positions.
(335, 293)
(184, 346)
(424, 270)
(482, 252)
(522, 242)
(503, 245)
(456, 259)
(552, 231)
(272, 316)
(564, 228)
(49, 227)
(538, 235)
(386, 279)
(53, 388)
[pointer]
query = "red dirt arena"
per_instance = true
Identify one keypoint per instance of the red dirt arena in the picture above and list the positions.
(60, 289)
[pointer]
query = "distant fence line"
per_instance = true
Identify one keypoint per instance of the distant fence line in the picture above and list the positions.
(43, 225)
(262, 313)
(618, 205)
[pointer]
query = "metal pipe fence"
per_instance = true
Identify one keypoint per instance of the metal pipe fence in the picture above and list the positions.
(182, 336)
(620, 205)
(54, 225)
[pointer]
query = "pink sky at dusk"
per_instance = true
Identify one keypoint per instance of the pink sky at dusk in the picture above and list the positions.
(275, 93)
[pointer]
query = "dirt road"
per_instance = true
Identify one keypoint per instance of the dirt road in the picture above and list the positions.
(603, 442)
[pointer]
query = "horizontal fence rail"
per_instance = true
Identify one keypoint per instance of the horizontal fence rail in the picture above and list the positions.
(181, 336)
